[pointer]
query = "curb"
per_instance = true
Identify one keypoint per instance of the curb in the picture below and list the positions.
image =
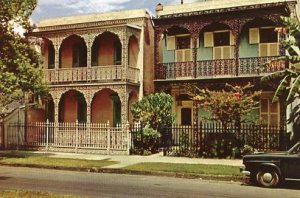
(132, 172)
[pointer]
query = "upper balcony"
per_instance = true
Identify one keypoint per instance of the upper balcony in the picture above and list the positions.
(216, 52)
(102, 62)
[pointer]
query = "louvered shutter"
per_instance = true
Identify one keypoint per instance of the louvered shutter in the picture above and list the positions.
(273, 49)
(226, 54)
(253, 35)
(208, 39)
(232, 42)
(187, 55)
(179, 56)
(263, 49)
(217, 53)
(171, 44)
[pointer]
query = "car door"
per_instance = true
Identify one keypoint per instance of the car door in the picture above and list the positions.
(292, 166)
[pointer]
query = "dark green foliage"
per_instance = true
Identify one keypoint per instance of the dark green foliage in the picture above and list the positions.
(19, 62)
(288, 88)
(154, 110)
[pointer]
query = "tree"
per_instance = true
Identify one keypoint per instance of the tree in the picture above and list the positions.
(154, 110)
(289, 79)
(19, 62)
(231, 104)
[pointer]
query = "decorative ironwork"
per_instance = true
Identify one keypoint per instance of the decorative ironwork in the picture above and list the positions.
(92, 74)
(218, 68)
(176, 70)
(251, 66)
(222, 67)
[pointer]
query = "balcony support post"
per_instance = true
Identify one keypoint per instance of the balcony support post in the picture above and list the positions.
(195, 37)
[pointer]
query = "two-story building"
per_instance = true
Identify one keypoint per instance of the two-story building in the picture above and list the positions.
(96, 66)
(210, 43)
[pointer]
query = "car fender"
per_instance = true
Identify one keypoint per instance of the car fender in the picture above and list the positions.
(269, 164)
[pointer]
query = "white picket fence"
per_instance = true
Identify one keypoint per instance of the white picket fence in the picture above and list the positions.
(71, 137)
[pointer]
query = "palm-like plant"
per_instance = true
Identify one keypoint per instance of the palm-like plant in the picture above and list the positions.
(288, 88)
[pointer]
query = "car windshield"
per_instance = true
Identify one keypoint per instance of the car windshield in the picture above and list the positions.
(295, 149)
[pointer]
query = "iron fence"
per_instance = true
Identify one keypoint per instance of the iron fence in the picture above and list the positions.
(206, 138)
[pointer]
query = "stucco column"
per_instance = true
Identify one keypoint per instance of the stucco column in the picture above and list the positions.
(56, 110)
(124, 96)
(195, 37)
(124, 41)
(88, 107)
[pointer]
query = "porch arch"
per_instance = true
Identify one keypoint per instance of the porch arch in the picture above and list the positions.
(106, 106)
(72, 107)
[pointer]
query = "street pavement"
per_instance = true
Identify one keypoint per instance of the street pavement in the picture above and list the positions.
(126, 160)
(86, 184)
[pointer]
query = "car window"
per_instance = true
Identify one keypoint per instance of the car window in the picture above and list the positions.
(295, 149)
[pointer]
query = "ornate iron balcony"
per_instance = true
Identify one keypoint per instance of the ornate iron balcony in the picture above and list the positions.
(222, 68)
(92, 74)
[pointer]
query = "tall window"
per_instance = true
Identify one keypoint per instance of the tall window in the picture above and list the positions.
(269, 112)
(267, 40)
(222, 43)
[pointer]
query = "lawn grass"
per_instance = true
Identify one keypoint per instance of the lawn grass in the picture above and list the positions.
(28, 158)
(30, 194)
(187, 168)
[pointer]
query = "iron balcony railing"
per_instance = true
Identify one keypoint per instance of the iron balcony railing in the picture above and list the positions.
(92, 74)
(222, 68)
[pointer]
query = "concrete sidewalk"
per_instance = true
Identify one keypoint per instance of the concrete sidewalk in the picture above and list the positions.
(126, 160)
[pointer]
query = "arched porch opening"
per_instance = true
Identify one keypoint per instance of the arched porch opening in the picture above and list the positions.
(106, 106)
(106, 50)
(133, 51)
(48, 53)
(72, 107)
(73, 52)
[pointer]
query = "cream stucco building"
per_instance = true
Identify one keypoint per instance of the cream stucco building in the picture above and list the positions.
(96, 66)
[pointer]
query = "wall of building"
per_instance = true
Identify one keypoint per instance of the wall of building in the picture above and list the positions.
(148, 57)
(36, 115)
(247, 50)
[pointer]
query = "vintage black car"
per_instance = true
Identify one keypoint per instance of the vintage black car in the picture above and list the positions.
(270, 169)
